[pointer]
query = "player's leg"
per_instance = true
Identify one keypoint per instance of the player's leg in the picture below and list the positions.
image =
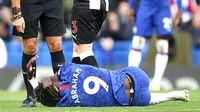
(85, 25)
(31, 11)
(29, 51)
(142, 29)
(157, 98)
(135, 54)
(86, 54)
(75, 56)
(56, 52)
(161, 61)
(75, 31)
(52, 24)
(83, 35)
(163, 23)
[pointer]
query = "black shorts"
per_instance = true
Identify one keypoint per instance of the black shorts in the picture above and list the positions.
(49, 13)
(85, 24)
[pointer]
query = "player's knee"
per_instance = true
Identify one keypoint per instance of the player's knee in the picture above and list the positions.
(138, 42)
(30, 47)
(162, 46)
(55, 45)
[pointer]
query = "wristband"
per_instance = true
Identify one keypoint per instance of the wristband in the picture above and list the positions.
(16, 10)
(16, 17)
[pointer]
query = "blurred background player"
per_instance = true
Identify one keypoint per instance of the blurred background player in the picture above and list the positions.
(152, 14)
(5, 30)
(87, 18)
(3, 56)
(196, 17)
(26, 15)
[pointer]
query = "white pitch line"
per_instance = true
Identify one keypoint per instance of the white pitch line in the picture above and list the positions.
(16, 83)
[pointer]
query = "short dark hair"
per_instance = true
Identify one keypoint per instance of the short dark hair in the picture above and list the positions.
(44, 97)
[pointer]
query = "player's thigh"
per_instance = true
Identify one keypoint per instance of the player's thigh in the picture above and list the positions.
(85, 24)
(52, 20)
(163, 22)
(143, 23)
(31, 11)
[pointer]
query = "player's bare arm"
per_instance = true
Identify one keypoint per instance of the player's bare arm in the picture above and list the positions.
(177, 19)
(131, 11)
(18, 20)
(131, 15)
(49, 83)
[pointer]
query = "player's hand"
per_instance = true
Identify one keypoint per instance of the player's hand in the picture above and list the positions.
(31, 71)
(19, 24)
(50, 87)
(131, 15)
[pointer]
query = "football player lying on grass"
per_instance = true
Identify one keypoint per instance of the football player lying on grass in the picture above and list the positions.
(85, 85)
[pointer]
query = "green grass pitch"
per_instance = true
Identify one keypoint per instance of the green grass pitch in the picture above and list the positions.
(10, 101)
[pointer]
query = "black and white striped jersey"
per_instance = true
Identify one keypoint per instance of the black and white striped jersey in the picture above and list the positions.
(92, 4)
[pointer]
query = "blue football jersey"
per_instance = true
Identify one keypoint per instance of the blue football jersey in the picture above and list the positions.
(85, 85)
(153, 3)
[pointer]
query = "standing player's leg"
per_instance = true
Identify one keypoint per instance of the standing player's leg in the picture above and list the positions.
(163, 23)
(56, 52)
(157, 98)
(85, 24)
(52, 24)
(75, 56)
(31, 11)
(29, 51)
(86, 54)
(83, 36)
(135, 54)
(161, 61)
(83, 39)
(143, 28)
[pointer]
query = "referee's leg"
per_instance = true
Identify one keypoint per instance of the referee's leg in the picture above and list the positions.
(31, 11)
(52, 24)
(29, 51)
(56, 52)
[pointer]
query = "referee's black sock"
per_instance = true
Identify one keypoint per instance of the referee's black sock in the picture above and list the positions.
(75, 58)
(57, 59)
(88, 58)
(29, 88)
